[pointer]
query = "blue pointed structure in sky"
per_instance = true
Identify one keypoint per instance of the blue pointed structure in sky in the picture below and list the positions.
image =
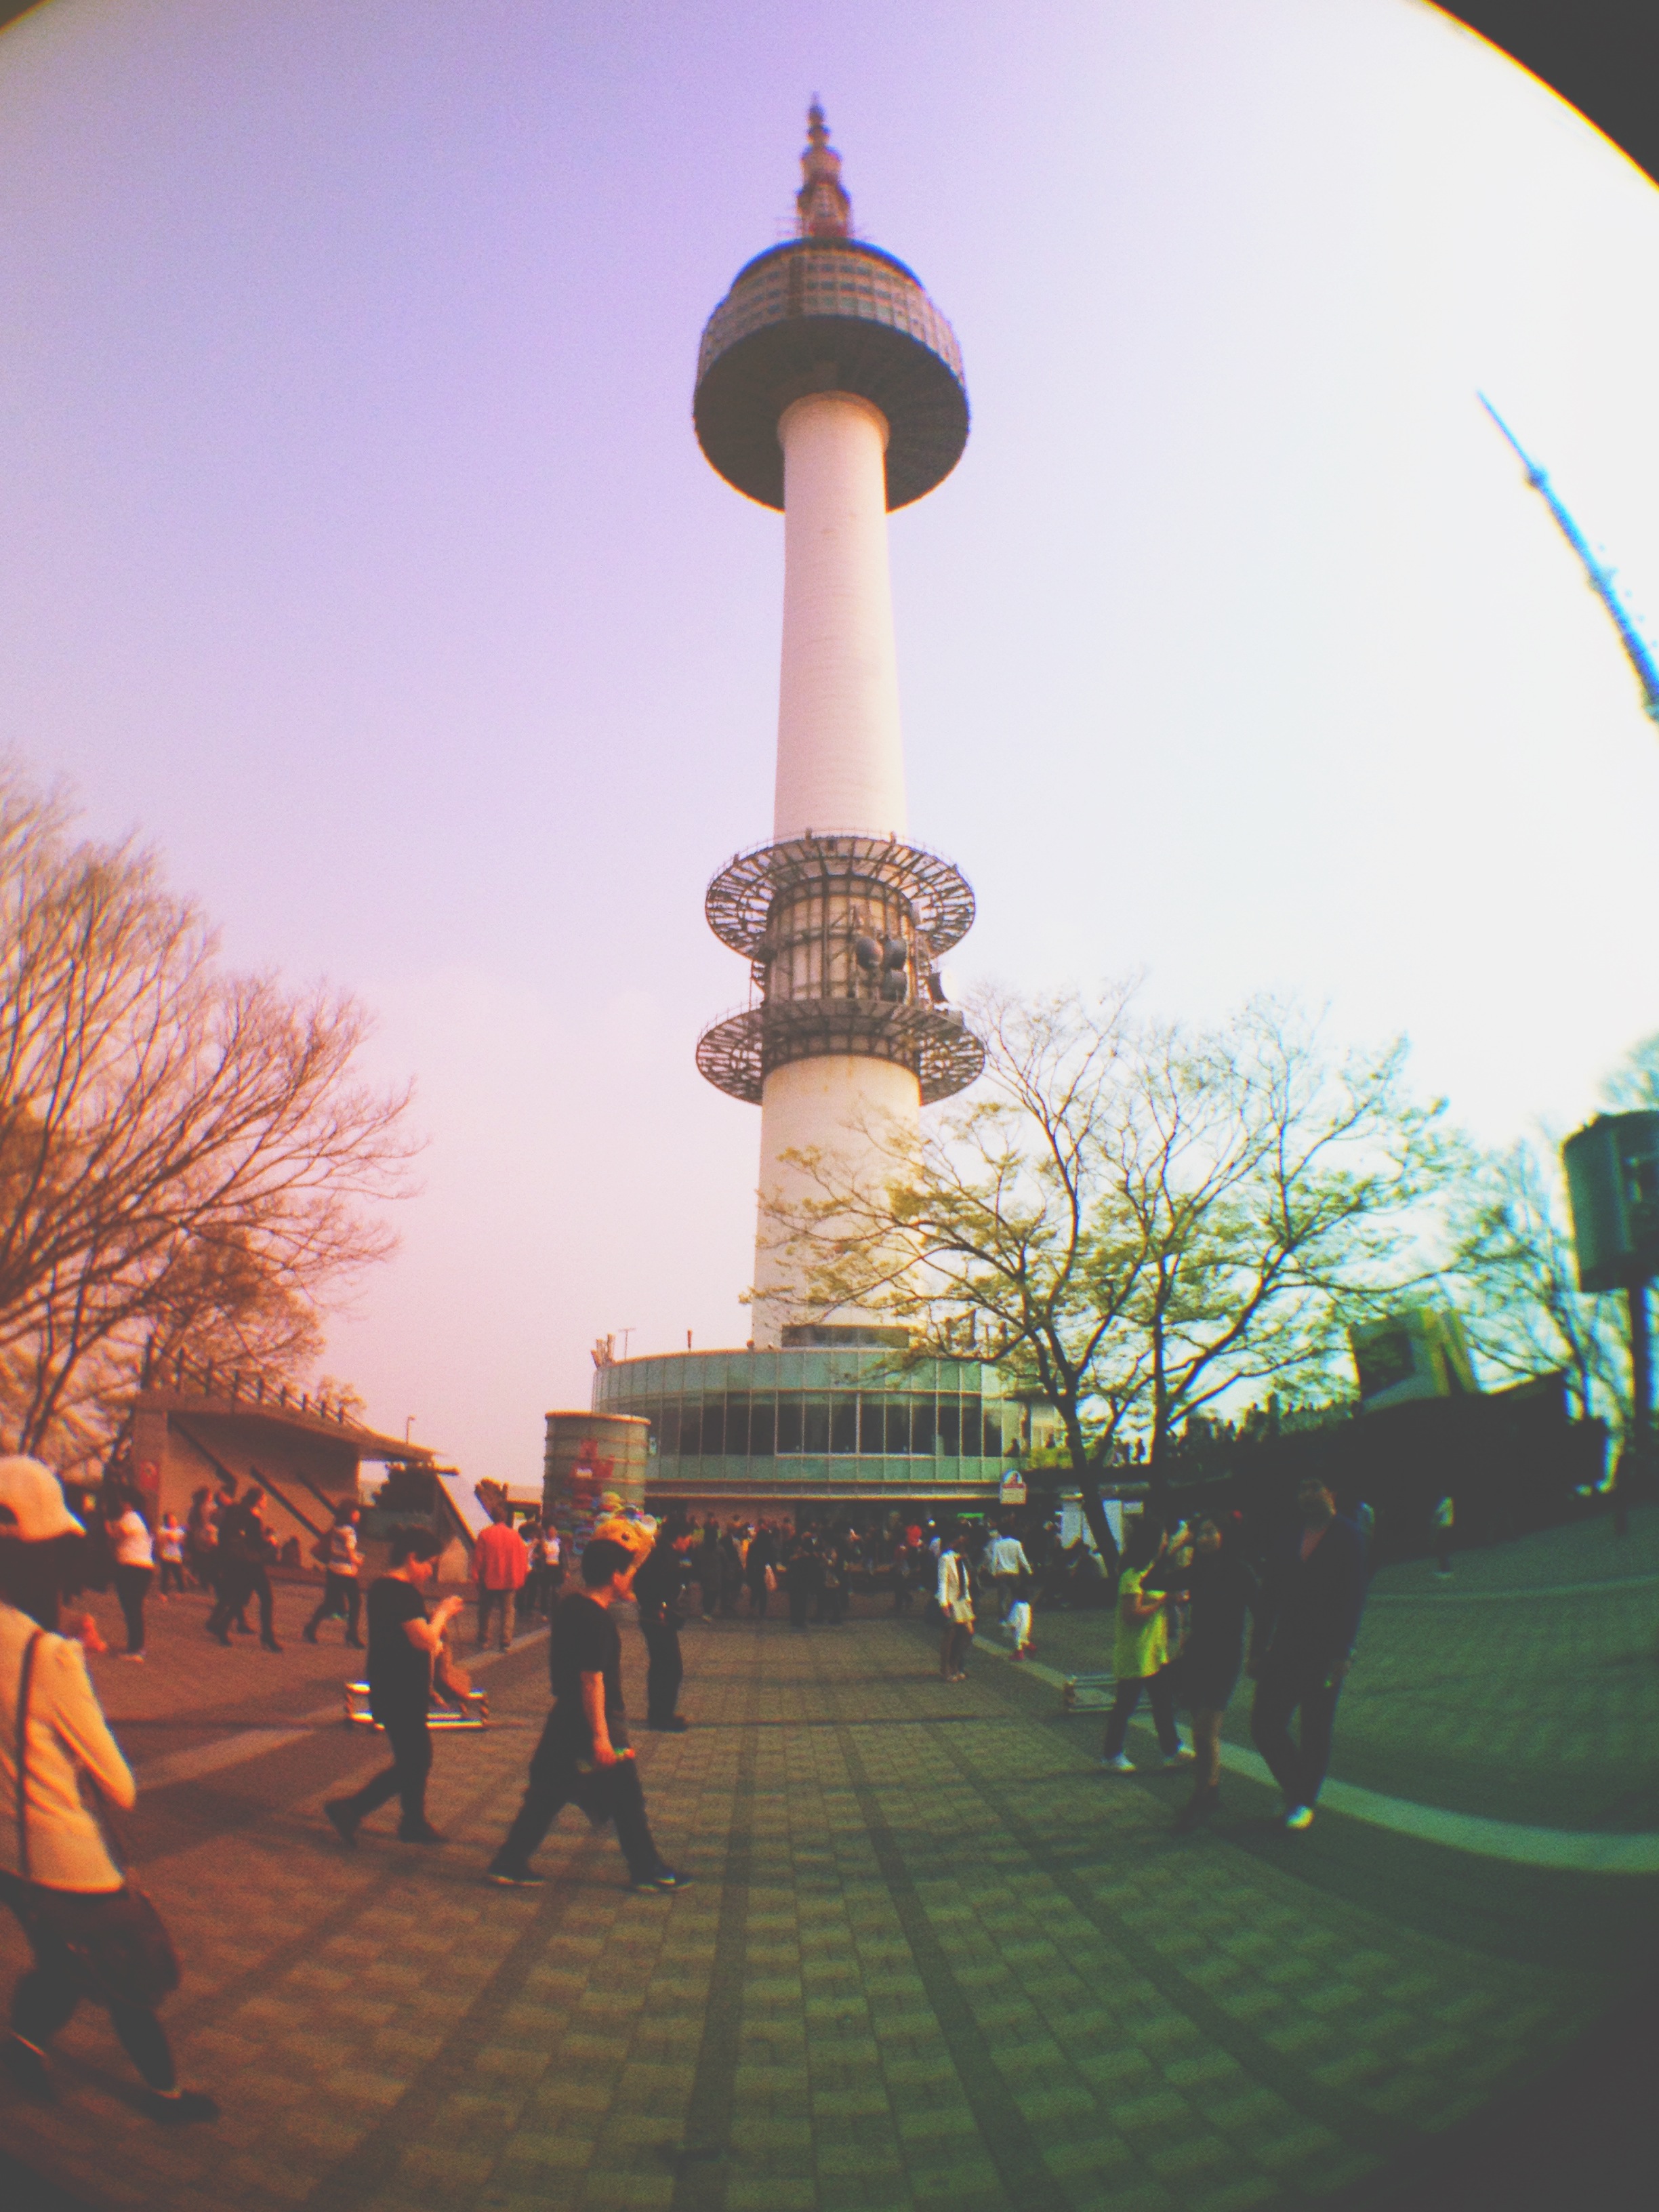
(1601, 577)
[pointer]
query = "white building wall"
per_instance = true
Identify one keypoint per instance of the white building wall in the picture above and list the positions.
(841, 755)
(830, 1106)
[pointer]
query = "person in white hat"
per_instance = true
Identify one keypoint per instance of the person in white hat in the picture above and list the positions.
(91, 1934)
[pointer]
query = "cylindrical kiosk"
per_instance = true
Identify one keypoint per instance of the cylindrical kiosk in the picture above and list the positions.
(595, 1464)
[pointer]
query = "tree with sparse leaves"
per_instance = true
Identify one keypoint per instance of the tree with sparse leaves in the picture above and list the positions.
(1142, 1217)
(188, 1157)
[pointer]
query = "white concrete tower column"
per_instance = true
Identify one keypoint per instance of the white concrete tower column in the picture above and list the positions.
(841, 756)
(841, 766)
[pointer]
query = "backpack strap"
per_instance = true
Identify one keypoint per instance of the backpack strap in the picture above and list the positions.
(24, 1681)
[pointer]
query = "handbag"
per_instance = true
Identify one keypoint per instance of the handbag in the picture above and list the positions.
(115, 1939)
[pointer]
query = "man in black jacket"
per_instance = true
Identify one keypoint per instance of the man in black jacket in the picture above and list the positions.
(1313, 1591)
(657, 1588)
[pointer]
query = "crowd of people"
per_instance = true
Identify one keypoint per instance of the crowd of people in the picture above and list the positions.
(1185, 1602)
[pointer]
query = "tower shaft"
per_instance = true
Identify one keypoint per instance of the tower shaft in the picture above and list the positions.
(840, 756)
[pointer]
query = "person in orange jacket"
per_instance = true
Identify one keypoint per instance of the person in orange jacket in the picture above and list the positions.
(500, 1565)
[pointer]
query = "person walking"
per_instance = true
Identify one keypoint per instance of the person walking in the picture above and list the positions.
(90, 1934)
(250, 1543)
(800, 1575)
(1313, 1592)
(706, 1558)
(657, 1588)
(402, 1642)
(759, 1570)
(1443, 1517)
(227, 1571)
(956, 1606)
(343, 1560)
(201, 1537)
(584, 1754)
(554, 1572)
(731, 1572)
(134, 1568)
(1004, 1563)
(1221, 1591)
(170, 1557)
(1141, 1652)
(499, 1566)
(835, 1565)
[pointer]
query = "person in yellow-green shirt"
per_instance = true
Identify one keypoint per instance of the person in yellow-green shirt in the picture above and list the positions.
(1141, 1653)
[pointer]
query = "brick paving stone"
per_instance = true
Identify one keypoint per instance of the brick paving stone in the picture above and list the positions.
(1013, 1963)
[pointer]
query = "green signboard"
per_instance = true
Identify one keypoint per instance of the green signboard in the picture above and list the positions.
(1613, 1184)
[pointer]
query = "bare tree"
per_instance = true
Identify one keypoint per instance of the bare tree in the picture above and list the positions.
(185, 1155)
(1140, 1216)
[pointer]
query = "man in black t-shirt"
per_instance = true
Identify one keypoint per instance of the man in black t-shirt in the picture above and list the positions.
(584, 1753)
(657, 1588)
(402, 1643)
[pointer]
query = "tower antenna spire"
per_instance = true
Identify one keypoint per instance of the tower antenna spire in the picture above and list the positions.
(823, 209)
(1638, 651)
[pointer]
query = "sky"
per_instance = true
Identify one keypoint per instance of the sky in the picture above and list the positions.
(355, 552)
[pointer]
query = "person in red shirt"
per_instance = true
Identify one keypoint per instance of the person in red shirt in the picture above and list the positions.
(501, 1562)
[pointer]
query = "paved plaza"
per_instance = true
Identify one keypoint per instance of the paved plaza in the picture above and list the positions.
(933, 1956)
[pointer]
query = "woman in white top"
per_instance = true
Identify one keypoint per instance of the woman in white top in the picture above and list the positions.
(956, 1605)
(135, 1567)
(56, 1871)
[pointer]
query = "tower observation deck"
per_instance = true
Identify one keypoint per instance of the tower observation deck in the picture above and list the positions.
(829, 386)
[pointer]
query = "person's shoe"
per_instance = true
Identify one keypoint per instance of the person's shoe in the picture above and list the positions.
(179, 2109)
(1196, 1811)
(1122, 1764)
(309, 1632)
(343, 1820)
(137, 1658)
(677, 1726)
(354, 1644)
(665, 1878)
(1182, 1755)
(27, 2068)
(426, 1833)
(514, 1878)
(1299, 1817)
(221, 1636)
(268, 1644)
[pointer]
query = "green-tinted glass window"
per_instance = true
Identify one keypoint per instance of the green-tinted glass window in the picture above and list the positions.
(922, 1427)
(844, 1421)
(950, 1426)
(789, 1421)
(737, 1424)
(668, 1430)
(713, 1425)
(898, 1427)
(817, 1438)
(761, 1427)
(691, 1427)
(972, 1435)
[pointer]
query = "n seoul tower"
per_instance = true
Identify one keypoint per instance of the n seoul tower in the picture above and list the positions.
(829, 385)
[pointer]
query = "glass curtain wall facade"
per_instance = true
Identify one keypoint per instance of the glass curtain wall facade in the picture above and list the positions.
(816, 1423)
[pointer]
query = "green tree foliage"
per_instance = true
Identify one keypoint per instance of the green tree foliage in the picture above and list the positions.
(1142, 1217)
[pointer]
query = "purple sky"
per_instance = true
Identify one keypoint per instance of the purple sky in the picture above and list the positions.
(357, 551)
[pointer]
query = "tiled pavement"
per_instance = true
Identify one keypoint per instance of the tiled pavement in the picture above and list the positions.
(932, 1958)
(1525, 1689)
